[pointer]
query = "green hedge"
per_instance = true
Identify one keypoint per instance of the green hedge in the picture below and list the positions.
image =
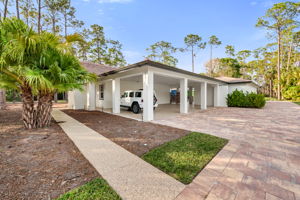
(246, 100)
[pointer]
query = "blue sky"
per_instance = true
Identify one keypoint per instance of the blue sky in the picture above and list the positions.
(139, 23)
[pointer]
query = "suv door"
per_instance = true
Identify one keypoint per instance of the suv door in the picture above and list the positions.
(123, 99)
(130, 98)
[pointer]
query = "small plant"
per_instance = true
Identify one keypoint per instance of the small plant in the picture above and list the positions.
(246, 100)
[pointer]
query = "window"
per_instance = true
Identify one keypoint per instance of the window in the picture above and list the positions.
(131, 94)
(138, 94)
(101, 92)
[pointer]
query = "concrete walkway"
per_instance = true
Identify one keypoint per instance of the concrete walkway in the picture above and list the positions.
(131, 177)
(262, 159)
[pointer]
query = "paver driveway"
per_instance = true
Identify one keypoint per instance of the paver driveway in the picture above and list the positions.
(262, 159)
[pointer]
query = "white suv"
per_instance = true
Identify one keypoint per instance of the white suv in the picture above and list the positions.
(133, 100)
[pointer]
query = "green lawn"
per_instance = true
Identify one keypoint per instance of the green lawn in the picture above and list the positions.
(97, 189)
(185, 157)
(297, 103)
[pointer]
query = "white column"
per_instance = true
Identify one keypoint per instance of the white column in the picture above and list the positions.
(203, 95)
(116, 95)
(216, 95)
(148, 96)
(91, 96)
(183, 96)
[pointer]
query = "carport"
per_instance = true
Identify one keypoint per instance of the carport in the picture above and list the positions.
(203, 92)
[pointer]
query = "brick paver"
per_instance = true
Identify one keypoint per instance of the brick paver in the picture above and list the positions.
(261, 160)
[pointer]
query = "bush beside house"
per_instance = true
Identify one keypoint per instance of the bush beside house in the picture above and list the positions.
(246, 100)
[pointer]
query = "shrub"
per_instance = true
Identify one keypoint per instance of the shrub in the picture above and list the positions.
(247, 100)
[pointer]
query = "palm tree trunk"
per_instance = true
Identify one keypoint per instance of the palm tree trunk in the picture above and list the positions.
(2, 99)
(44, 109)
(28, 114)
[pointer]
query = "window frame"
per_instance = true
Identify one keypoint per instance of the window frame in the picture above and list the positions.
(101, 92)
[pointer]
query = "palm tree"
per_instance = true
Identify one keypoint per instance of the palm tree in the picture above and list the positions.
(2, 99)
(37, 64)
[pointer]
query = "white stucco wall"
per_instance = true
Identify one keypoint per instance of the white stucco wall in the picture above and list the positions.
(223, 92)
(77, 99)
(245, 87)
(107, 101)
(210, 95)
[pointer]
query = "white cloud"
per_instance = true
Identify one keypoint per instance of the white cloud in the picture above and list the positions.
(114, 1)
(86, 0)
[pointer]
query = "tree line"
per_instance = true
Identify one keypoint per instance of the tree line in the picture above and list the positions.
(274, 66)
(59, 18)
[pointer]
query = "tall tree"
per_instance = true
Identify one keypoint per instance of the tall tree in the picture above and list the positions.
(53, 7)
(229, 50)
(83, 47)
(28, 11)
(17, 9)
(5, 8)
(69, 17)
(39, 15)
(193, 42)
(213, 42)
(162, 52)
(97, 43)
(114, 56)
(278, 19)
(243, 55)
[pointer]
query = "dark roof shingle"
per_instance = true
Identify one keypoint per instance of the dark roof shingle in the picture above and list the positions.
(96, 68)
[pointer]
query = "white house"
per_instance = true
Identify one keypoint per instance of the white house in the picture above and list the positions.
(152, 76)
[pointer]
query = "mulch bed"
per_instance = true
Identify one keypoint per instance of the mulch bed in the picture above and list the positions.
(39, 164)
(135, 136)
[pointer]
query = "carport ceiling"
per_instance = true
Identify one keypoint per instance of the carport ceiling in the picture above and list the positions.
(173, 82)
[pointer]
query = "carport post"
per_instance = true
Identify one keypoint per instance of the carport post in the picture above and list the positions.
(216, 95)
(183, 95)
(116, 95)
(203, 95)
(148, 96)
(91, 96)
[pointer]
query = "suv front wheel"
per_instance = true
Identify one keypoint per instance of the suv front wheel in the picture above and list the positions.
(135, 108)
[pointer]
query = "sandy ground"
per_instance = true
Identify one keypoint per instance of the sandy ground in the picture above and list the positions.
(135, 136)
(39, 164)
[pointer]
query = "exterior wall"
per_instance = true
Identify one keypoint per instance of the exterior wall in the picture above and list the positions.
(163, 93)
(210, 95)
(197, 96)
(77, 99)
(246, 87)
(107, 101)
(223, 92)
